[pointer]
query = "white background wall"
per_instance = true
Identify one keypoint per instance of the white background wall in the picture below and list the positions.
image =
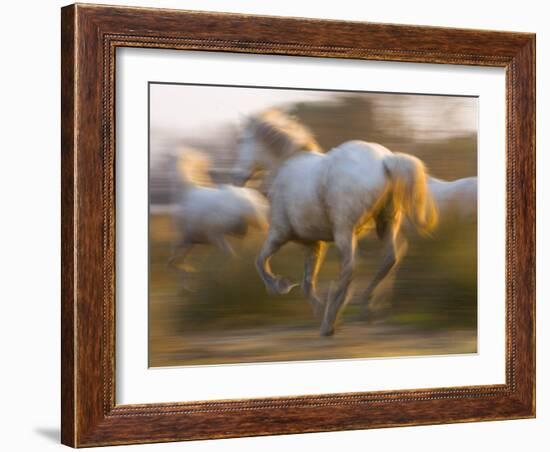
(29, 178)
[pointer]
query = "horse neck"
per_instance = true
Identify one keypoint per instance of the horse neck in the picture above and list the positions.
(293, 151)
(276, 166)
(257, 154)
(186, 183)
(180, 186)
(283, 149)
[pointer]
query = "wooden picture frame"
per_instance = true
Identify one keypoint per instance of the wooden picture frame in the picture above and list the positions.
(90, 35)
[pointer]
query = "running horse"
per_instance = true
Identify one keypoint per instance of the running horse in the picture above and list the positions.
(207, 213)
(317, 198)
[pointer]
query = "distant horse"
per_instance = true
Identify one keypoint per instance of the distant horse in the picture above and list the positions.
(318, 198)
(456, 203)
(207, 214)
(456, 200)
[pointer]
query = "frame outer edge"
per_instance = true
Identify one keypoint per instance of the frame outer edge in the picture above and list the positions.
(68, 298)
(534, 226)
(86, 419)
(525, 62)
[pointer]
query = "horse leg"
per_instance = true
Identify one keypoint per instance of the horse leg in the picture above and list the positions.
(346, 244)
(181, 250)
(315, 254)
(221, 242)
(274, 284)
(394, 249)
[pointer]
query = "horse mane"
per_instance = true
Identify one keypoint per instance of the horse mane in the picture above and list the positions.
(193, 167)
(281, 132)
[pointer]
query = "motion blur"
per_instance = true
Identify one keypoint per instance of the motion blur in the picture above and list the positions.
(210, 307)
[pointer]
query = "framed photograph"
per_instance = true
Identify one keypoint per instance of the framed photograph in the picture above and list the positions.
(283, 225)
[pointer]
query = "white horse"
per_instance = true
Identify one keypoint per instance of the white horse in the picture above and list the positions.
(207, 214)
(334, 197)
(456, 200)
(456, 204)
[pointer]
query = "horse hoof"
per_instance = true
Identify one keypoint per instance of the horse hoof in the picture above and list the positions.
(327, 331)
(284, 286)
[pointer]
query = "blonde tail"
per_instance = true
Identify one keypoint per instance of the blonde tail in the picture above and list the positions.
(410, 191)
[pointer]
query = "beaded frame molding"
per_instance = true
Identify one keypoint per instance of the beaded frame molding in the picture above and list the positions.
(90, 35)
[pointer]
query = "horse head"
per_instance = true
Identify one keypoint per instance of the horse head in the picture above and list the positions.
(268, 139)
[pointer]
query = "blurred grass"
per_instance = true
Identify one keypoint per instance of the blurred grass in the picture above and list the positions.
(436, 285)
(432, 309)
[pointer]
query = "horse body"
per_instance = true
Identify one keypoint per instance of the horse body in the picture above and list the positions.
(309, 182)
(318, 198)
(456, 200)
(207, 214)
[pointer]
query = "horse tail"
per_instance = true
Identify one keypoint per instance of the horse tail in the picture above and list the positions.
(410, 192)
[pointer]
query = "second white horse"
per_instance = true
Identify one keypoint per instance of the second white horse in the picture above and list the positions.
(208, 213)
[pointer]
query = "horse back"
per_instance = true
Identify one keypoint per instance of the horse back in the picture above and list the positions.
(356, 181)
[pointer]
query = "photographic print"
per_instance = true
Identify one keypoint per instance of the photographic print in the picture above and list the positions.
(284, 215)
(297, 224)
